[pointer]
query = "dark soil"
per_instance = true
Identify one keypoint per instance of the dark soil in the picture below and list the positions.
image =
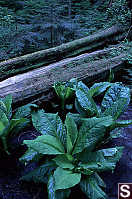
(11, 187)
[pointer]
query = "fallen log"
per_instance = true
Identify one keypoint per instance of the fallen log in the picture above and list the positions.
(35, 85)
(41, 58)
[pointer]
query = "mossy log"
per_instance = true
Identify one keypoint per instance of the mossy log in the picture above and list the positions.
(41, 58)
(35, 85)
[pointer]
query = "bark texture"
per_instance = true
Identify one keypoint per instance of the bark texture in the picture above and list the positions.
(36, 84)
(44, 57)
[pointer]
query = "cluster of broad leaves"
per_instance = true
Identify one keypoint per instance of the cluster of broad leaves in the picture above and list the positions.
(71, 152)
(11, 123)
(115, 101)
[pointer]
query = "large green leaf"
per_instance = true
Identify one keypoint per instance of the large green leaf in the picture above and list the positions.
(53, 194)
(3, 106)
(4, 125)
(115, 100)
(77, 118)
(15, 122)
(6, 129)
(99, 88)
(21, 126)
(51, 187)
(82, 86)
(112, 154)
(97, 166)
(46, 144)
(79, 109)
(115, 128)
(116, 133)
(8, 103)
(24, 111)
(99, 180)
(101, 160)
(84, 170)
(40, 174)
(63, 162)
(122, 123)
(72, 132)
(7, 124)
(3, 137)
(49, 124)
(92, 91)
(4, 118)
(116, 109)
(73, 83)
(65, 179)
(30, 155)
(69, 144)
(38, 120)
(86, 102)
(91, 188)
(91, 132)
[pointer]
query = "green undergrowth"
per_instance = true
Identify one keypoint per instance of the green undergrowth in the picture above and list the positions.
(29, 26)
(70, 149)
(10, 123)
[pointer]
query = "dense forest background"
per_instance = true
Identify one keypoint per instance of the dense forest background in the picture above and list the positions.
(30, 25)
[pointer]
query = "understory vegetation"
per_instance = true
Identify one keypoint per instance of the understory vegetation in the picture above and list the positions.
(28, 26)
(70, 149)
(63, 135)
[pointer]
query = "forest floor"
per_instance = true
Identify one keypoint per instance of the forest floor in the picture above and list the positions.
(11, 169)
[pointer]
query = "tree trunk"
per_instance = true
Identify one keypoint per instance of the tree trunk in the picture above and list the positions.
(44, 57)
(36, 84)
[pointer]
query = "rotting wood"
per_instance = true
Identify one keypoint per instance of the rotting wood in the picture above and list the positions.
(36, 84)
(38, 59)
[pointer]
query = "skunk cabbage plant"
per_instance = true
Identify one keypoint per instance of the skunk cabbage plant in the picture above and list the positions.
(71, 154)
(10, 124)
